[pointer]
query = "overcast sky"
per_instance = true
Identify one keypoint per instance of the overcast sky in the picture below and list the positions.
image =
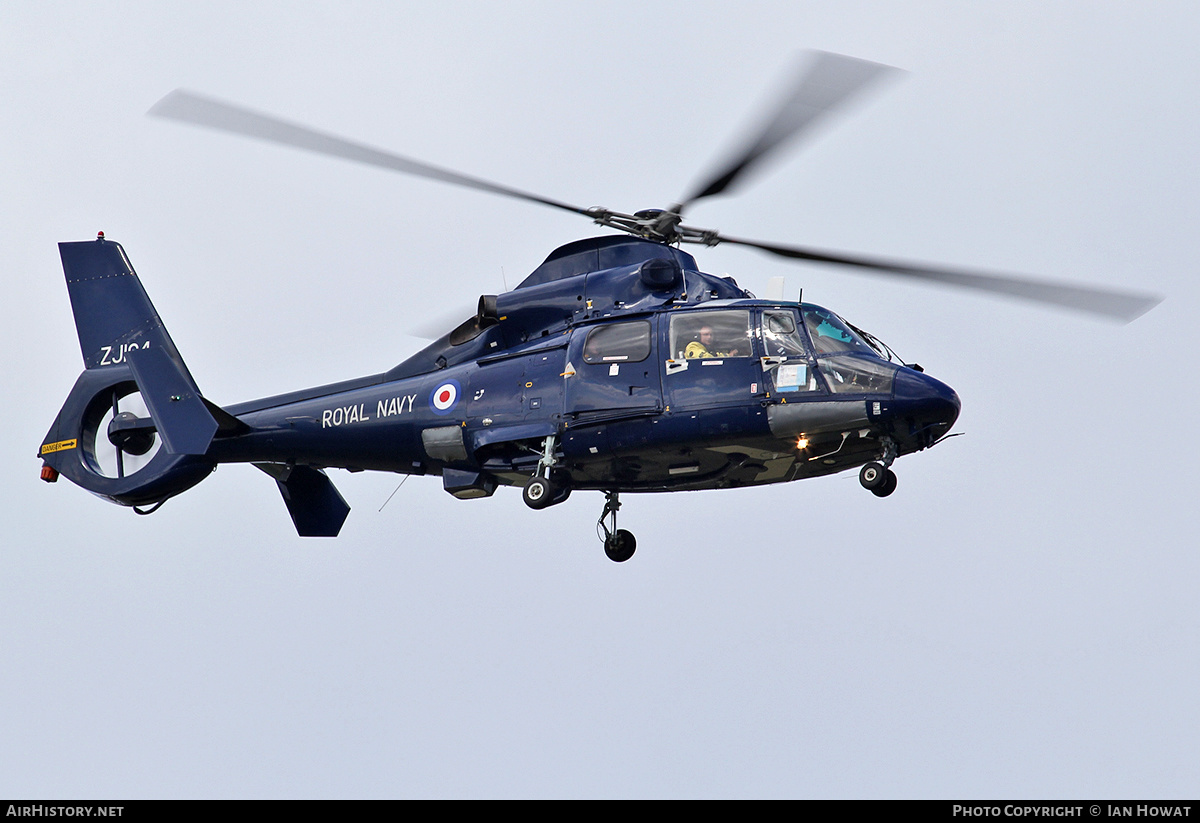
(1018, 620)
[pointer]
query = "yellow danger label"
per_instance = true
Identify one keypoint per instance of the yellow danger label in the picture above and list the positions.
(47, 448)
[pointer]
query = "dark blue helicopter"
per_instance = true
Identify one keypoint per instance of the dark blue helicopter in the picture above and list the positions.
(616, 366)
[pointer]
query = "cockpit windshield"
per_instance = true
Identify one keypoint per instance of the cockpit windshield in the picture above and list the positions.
(849, 361)
(831, 335)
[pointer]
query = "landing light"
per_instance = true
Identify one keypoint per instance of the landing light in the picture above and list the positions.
(801, 443)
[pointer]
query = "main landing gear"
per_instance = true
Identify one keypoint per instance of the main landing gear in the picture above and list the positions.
(619, 544)
(876, 477)
(547, 487)
(542, 492)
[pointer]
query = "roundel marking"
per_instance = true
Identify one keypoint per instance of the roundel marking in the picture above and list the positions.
(444, 398)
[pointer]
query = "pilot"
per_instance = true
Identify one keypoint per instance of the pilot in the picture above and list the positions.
(704, 346)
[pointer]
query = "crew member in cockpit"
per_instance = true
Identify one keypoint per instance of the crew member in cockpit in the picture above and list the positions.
(704, 347)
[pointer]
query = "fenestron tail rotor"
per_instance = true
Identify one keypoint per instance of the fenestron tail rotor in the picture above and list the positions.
(123, 441)
(825, 84)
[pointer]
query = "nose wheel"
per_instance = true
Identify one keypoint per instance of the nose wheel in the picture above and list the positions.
(876, 477)
(619, 544)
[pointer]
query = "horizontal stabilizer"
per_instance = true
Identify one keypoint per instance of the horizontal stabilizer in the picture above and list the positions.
(227, 424)
(316, 507)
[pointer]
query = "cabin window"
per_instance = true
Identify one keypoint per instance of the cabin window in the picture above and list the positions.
(618, 343)
(711, 335)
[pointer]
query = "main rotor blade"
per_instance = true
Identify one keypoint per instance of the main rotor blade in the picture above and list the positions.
(215, 114)
(1126, 306)
(825, 83)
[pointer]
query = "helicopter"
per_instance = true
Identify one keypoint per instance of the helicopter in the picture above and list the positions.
(616, 366)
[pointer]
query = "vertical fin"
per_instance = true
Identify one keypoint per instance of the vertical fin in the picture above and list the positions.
(113, 313)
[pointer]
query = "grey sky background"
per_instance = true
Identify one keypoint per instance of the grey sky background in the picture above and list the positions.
(1018, 620)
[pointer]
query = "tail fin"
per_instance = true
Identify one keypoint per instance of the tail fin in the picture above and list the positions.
(126, 351)
(113, 314)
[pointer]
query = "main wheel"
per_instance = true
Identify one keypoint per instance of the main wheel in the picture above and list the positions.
(620, 546)
(539, 493)
(887, 486)
(872, 476)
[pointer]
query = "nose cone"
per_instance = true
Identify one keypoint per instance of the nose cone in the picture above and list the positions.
(929, 405)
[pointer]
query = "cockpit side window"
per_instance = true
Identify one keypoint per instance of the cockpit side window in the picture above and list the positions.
(618, 343)
(781, 338)
(786, 363)
(711, 335)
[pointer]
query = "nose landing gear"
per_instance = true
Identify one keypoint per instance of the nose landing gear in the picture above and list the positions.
(876, 477)
(619, 544)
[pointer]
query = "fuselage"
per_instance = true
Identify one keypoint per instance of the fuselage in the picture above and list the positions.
(635, 402)
(616, 365)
